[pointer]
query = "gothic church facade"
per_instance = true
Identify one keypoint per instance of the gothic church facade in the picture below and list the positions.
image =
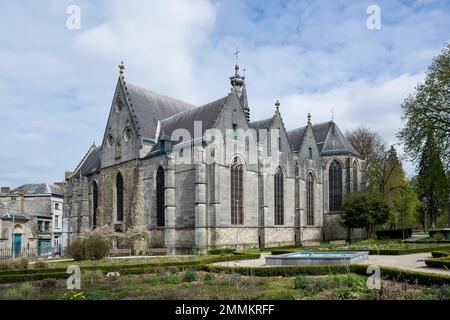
(268, 190)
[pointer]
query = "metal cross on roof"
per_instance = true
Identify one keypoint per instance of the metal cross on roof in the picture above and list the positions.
(277, 104)
(236, 54)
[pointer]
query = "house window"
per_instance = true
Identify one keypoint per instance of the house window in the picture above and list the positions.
(335, 186)
(310, 152)
(94, 204)
(160, 200)
(56, 206)
(47, 226)
(279, 196)
(56, 221)
(237, 212)
(119, 197)
(355, 176)
(310, 199)
(279, 143)
(40, 226)
(234, 131)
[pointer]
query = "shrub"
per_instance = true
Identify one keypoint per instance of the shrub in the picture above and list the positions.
(153, 280)
(13, 264)
(73, 295)
(209, 277)
(90, 248)
(94, 276)
(24, 291)
(172, 278)
(344, 293)
(40, 265)
(438, 236)
(189, 275)
(46, 283)
(300, 282)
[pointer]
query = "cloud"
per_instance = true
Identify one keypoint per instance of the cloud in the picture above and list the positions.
(57, 84)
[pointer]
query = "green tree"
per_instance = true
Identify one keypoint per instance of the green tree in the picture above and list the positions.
(365, 210)
(428, 110)
(432, 182)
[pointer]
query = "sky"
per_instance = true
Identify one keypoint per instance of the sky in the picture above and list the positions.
(58, 77)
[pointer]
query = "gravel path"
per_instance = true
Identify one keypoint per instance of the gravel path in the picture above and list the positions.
(414, 262)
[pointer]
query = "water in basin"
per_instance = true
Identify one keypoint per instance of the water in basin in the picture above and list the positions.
(321, 254)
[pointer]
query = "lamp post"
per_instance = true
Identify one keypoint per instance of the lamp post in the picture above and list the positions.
(13, 201)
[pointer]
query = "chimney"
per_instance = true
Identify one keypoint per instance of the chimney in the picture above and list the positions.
(68, 174)
(5, 189)
(60, 184)
(21, 189)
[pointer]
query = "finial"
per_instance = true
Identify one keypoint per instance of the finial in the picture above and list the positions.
(243, 70)
(121, 68)
(277, 104)
(309, 118)
(332, 114)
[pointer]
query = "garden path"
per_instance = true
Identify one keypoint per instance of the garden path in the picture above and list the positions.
(414, 262)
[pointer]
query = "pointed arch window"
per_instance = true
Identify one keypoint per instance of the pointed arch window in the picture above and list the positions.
(237, 209)
(279, 196)
(160, 198)
(310, 199)
(335, 186)
(119, 197)
(355, 176)
(94, 204)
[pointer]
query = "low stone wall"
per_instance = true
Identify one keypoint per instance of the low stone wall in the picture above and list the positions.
(311, 233)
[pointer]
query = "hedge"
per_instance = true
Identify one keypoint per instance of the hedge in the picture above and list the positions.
(428, 240)
(442, 263)
(389, 273)
(221, 251)
(387, 252)
(440, 254)
(27, 274)
(394, 234)
(9, 278)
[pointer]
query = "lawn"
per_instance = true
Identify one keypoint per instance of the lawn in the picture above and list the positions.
(172, 283)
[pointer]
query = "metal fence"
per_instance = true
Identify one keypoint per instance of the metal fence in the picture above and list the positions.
(7, 253)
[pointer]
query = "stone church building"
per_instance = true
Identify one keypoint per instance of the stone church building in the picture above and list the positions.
(201, 177)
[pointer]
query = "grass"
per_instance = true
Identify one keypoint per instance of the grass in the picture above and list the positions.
(220, 287)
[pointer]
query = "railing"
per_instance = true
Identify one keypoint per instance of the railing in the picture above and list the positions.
(7, 253)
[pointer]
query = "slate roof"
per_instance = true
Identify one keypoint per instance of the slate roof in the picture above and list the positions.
(17, 217)
(90, 163)
(207, 114)
(330, 139)
(295, 138)
(38, 189)
(149, 107)
(261, 125)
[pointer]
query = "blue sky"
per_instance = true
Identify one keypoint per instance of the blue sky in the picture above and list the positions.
(57, 84)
